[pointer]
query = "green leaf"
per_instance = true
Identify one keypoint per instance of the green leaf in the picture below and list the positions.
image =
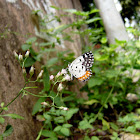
(61, 28)
(74, 11)
(137, 44)
(137, 124)
(114, 126)
(84, 124)
(65, 131)
(94, 81)
(26, 47)
(105, 124)
(67, 125)
(70, 10)
(31, 40)
(70, 113)
(49, 134)
(2, 120)
(2, 104)
(94, 11)
(40, 118)
(90, 102)
(86, 138)
(52, 62)
(58, 101)
(94, 138)
(57, 128)
(47, 117)
(121, 42)
(8, 131)
(5, 108)
(46, 79)
(29, 62)
(103, 40)
(14, 116)
(102, 57)
(131, 129)
(38, 105)
(55, 7)
(92, 20)
(59, 119)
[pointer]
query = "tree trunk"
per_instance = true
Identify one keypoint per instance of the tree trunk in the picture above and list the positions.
(112, 20)
(15, 25)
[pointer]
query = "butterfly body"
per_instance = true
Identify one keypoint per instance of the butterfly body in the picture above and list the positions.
(80, 67)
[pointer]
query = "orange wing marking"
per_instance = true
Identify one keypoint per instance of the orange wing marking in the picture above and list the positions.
(85, 76)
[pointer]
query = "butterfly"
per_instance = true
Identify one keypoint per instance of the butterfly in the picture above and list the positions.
(80, 67)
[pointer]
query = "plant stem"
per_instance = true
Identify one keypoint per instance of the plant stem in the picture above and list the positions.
(104, 103)
(35, 94)
(40, 132)
(16, 96)
(13, 99)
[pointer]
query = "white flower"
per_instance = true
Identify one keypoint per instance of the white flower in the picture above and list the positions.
(40, 74)
(63, 71)
(31, 72)
(51, 77)
(63, 108)
(60, 87)
(20, 57)
(27, 54)
(66, 78)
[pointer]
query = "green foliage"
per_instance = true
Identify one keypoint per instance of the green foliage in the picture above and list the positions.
(115, 75)
(7, 132)
(38, 106)
(131, 123)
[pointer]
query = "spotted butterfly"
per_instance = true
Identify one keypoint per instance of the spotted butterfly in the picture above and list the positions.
(80, 67)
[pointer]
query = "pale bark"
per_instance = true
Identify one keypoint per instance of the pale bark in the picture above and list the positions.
(112, 20)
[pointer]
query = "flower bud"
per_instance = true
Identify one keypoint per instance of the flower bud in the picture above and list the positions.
(40, 74)
(63, 71)
(66, 78)
(60, 87)
(20, 57)
(51, 77)
(24, 71)
(27, 54)
(44, 103)
(58, 74)
(16, 55)
(31, 72)
(63, 108)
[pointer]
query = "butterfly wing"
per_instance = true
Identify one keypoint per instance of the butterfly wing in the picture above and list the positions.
(80, 67)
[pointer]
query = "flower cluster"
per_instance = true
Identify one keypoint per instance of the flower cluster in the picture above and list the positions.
(63, 73)
(22, 61)
(61, 76)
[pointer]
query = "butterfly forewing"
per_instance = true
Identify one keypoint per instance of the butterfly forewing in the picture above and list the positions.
(88, 59)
